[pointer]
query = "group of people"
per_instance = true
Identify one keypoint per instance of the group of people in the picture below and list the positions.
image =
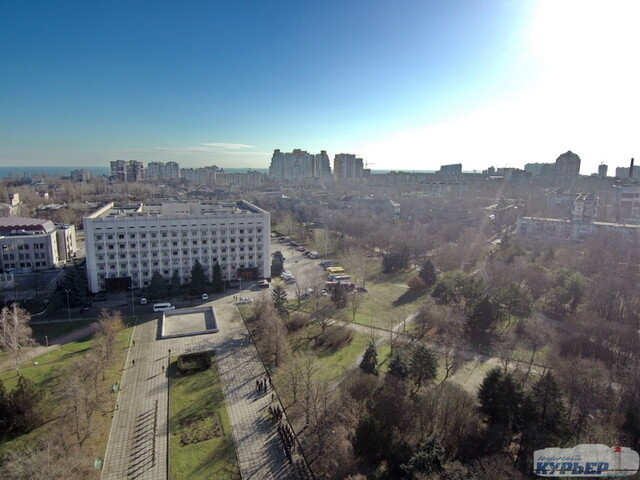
(287, 439)
(263, 385)
(275, 413)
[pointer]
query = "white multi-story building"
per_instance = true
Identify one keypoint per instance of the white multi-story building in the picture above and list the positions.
(32, 244)
(161, 170)
(300, 165)
(202, 175)
(127, 244)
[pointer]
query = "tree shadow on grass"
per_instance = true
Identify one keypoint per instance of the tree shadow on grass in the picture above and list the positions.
(410, 296)
(221, 462)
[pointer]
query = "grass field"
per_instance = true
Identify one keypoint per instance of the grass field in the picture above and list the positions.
(198, 417)
(47, 371)
(58, 329)
(336, 364)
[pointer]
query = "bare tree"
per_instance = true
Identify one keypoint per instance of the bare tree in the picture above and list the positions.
(309, 368)
(270, 332)
(322, 311)
(275, 334)
(289, 222)
(15, 333)
(448, 412)
(354, 301)
(81, 392)
(506, 350)
(535, 335)
(49, 460)
(356, 263)
(109, 324)
(289, 379)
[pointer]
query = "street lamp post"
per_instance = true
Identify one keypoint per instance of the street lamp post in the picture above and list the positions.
(68, 304)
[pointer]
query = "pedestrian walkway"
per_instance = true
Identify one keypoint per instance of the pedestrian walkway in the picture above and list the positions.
(137, 448)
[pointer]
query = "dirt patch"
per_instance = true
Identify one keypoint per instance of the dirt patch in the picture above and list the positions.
(196, 430)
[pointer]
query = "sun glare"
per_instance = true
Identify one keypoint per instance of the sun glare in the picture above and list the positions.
(583, 97)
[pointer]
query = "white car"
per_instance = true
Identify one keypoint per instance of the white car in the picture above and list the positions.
(205, 296)
(244, 301)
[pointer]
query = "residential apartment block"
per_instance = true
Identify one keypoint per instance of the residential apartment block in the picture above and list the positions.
(31, 244)
(567, 169)
(160, 170)
(552, 229)
(80, 175)
(626, 202)
(202, 175)
(127, 171)
(299, 165)
(453, 169)
(125, 244)
(347, 166)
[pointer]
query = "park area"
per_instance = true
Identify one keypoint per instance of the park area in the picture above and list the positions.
(200, 440)
(66, 412)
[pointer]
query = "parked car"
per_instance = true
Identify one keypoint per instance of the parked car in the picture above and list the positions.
(143, 301)
(263, 283)
(205, 296)
(244, 301)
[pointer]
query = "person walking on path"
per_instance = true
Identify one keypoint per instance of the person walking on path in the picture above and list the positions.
(133, 343)
(162, 368)
(133, 363)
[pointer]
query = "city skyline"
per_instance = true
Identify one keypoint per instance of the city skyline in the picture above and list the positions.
(405, 86)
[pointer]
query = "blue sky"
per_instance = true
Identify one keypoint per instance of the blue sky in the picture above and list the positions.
(406, 84)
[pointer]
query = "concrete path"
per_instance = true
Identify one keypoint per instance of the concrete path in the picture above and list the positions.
(137, 448)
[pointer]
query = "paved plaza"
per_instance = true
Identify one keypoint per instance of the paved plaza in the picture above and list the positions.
(137, 448)
(188, 321)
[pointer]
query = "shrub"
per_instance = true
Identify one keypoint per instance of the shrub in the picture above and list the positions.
(193, 362)
(416, 283)
(296, 322)
(335, 338)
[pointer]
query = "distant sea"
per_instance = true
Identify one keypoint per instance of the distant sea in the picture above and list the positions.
(29, 171)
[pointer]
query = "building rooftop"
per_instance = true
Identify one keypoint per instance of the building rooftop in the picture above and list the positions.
(13, 225)
(176, 209)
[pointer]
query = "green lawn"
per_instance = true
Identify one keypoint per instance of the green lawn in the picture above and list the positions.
(55, 330)
(198, 414)
(378, 307)
(47, 372)
(45, 369)
(471, 375)
(336, 363)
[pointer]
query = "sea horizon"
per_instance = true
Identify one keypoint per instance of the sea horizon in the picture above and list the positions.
(34, 171)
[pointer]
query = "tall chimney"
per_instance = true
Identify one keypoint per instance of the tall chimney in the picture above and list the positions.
(631, 169)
